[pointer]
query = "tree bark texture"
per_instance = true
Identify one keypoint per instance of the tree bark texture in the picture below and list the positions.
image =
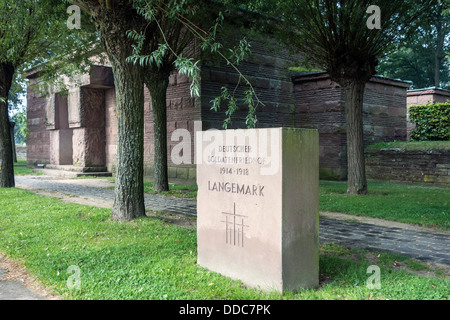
(353, 102)
(157, 83)
(129, 85)
(129, 188)
(6, 150)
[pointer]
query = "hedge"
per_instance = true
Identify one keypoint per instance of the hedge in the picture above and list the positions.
(432, 121)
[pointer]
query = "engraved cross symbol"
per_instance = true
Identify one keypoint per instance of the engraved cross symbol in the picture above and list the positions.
(234, 227)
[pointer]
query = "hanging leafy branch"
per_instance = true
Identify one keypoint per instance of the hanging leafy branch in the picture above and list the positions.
(237, 54)
(177, 12)
(189, 67)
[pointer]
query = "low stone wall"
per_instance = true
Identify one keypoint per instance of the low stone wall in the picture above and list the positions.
(427, 167)
(177, 174)
(21, 152)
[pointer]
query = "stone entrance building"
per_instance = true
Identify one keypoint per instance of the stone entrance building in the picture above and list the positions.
(78, 131)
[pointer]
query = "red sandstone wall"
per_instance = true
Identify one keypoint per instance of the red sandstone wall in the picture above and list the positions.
(267, 69)
(420, 97)
(181, 113)
(409, 166)
(38, 144)
(110, 129)
(319, 105)
(384, 111)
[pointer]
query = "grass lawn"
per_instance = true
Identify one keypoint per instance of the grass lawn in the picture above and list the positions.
(426, 206)
(20, 168)
(150, 258)
(175, 190)
(412, 145)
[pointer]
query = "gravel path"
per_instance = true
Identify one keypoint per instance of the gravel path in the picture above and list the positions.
(96, 189)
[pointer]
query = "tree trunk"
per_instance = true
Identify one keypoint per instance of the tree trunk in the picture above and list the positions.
(356, 179)
(6, 150)
(112, 25)
(157, 84)
(129, 188)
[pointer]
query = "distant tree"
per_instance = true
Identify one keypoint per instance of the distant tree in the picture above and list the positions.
(345, 38)
(424, 56)
(17, 110)
(21, 130)
(440, 18)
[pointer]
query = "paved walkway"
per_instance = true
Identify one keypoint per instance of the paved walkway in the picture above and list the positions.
(95, 189)
(419, 243)
(14, 290)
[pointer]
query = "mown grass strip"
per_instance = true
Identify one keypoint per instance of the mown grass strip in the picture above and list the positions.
(425, 206)
(151, 259)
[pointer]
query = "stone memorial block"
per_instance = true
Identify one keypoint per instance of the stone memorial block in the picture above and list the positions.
(258, 206)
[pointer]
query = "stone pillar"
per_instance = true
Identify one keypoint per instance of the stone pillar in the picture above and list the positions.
(76, 122)
(87, 119)
(50, 111)
(61, 135)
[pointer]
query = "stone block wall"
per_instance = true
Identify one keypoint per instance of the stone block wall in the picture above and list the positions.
(427, 167)
(68, 128)
(268, 71)
(319, 104)
(87, 119)
(385, 110)
(38, 143)
(182, 113)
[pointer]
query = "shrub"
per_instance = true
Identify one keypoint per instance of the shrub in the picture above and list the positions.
(432, 121)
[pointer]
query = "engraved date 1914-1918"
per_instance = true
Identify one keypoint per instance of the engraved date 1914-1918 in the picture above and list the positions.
(236, 171)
